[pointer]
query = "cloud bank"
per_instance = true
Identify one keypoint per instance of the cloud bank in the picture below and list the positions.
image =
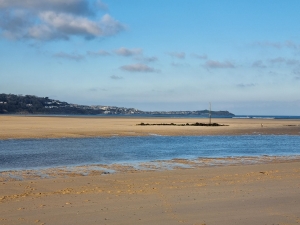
(55, 20)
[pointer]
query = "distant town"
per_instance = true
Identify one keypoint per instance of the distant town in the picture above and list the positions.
(30, 104)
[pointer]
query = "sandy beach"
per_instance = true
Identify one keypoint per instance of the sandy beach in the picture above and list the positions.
(238, 194)
(58, 127)
(266, 192)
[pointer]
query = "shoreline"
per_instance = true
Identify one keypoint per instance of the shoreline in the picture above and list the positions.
(23, 127)
(67, 171)
(265, 193)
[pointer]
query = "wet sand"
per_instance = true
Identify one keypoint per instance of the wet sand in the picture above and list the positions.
(211, 192)
(58, 127)
(266, 193)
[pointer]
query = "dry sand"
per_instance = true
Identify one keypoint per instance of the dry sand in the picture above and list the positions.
(267, 192)
(244, 194)
(57, 127)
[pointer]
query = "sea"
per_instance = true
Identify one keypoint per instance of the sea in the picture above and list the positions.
(276, 117)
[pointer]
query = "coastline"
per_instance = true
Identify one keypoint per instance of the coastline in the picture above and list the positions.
(22, 127)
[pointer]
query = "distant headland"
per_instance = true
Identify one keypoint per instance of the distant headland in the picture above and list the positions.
(31, 104)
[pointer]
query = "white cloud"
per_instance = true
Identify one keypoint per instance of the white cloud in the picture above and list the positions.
(70, 25)
(12, 23)
(79, 7)
(44, 32)
(54, 19)
(128, 52)
(111, 26)
(138, 68)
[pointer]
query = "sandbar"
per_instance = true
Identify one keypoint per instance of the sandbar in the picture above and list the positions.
(16, 127)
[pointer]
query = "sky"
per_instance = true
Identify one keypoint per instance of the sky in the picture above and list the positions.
(242, 56)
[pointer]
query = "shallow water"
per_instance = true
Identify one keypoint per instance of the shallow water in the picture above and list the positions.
(48, 153)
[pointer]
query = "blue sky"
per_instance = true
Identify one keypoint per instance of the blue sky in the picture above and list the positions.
(242, 56)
